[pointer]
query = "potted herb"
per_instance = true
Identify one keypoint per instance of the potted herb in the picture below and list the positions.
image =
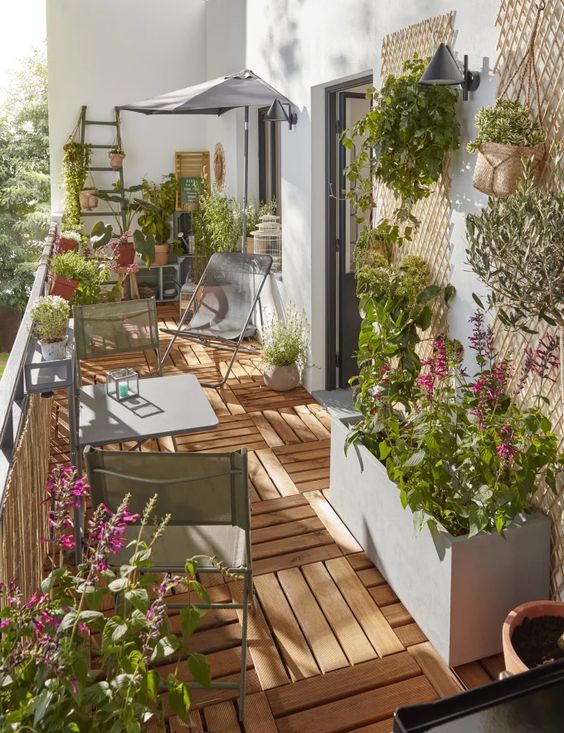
(533, 634)
(76, 277)
(68, 664)
(68, 239)
(507, 133)
(155, 222)
(76, 159)
(285, 348)
(116, 156)
(50, 319)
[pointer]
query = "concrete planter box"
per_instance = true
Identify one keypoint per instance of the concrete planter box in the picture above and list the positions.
(458, 590)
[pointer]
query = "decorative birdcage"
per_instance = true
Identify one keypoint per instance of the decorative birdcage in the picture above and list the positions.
(268, 239)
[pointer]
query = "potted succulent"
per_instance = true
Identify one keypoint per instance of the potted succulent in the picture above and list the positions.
(50, 318)
(155, 222)
(507, 133)
(533, 634)
(116, 156)
(285, 346)
(68, 239)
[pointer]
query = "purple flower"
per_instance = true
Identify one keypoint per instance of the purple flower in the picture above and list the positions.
(106, 534)
(65, 489)
(437, 366)
(540, 361)
(482, 338)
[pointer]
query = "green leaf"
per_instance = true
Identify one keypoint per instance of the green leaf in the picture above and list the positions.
(200, 669)
(430, 292)
(41, 705)
(478, 301)
(189, 619)
(165, 647)
(120, 630)
(192, 567)
(414, 459)
(424, 318)
(449, 293)
(118, 585)
(51, 579)
(179, 699)
(139, 599)
(384, 449)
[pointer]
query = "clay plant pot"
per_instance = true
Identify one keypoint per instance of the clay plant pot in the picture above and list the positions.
(66, 245)
(515, 618)
(54, 351)
(281, 378)
(88, 199)
(116, 160)
(161, 254)
(125, 253)
(63, 286)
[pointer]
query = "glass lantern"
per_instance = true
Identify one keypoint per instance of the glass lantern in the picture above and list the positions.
(122, 384)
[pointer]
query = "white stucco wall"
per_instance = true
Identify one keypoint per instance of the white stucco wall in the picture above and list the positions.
(111, 52)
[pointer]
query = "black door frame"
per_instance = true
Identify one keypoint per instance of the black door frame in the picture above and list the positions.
(332, 243)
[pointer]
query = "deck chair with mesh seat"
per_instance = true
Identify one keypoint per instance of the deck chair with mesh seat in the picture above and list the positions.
(224, 304)
(207, 497)
(103, 329)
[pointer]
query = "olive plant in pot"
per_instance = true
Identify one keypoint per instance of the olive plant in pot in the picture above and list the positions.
(155, 222)
(50, 318)
(217, 226)
(507, 133)
(285, 344)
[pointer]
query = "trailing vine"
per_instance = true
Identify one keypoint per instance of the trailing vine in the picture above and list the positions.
(76, 160)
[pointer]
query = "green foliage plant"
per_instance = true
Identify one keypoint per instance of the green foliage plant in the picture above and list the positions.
(403, 140)
(50, 316)
(217, 226)
(508, 122)
(91, 273)
(157, 221)
(383, 239)
(76, 159)
(466, 457)
(285, 341)
(48, 643)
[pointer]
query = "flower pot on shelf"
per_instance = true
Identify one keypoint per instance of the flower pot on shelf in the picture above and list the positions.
(457, 589)
(281, 378)
(116, 160)
(499, 167)
(55, 350)
(125, 252)
(66, 245)
(531, 610)
(161, 254)
(62, 286)
(88, 199)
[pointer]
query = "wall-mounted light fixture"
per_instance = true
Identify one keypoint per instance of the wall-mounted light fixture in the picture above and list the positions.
(445, 69)
(277, 113)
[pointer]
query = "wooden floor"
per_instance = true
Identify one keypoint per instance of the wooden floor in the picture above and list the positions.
(331, 646)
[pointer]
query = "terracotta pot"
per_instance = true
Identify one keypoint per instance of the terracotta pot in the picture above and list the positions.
(62, 286)
(515, 618)
(281, 378)
(54, 351)
(88, 199)
(116, 160)
(250, 245)
(161, 254)
(125, 254)
(66, 245)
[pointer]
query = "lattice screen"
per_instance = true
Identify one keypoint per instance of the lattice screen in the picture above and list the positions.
(432, 239)
(515, 21)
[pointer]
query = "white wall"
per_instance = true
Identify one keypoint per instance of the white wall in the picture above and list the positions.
(111, 52)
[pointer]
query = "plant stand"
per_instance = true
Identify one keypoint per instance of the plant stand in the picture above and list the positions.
(458, 589)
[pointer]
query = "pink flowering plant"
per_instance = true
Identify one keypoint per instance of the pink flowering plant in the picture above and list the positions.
(465, 456)
(83, 653)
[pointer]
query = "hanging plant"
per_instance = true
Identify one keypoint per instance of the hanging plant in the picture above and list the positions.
(403, 140)
(76, 160)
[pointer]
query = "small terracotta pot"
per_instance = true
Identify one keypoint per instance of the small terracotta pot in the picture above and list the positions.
(62, 286)
(116, 160)
(125, 254)
(161, 254)
(515, 618)
(88, 199)
(282, 378)
(66, 245)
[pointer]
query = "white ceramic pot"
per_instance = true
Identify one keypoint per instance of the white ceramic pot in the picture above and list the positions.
(281, 378)
(54, 351)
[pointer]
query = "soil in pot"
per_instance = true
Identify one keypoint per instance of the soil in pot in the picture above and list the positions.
(536, 640)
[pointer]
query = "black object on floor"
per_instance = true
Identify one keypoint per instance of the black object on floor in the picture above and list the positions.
(531, 702)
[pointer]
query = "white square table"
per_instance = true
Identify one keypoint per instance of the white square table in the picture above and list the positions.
(170, 405)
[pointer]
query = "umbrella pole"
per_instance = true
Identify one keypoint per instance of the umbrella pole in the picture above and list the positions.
(246, 180)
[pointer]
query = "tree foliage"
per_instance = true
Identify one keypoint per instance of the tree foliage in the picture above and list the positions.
(24, 180)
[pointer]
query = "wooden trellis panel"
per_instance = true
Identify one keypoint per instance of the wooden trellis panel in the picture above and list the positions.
(515, 21)
(431, 241)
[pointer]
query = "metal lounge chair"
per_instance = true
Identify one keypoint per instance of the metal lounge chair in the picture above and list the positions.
(224, 303)
(207, 497)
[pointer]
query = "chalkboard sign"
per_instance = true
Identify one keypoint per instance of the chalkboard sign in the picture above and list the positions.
(189, 190)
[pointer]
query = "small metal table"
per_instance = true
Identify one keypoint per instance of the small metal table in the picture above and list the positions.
(165, 406)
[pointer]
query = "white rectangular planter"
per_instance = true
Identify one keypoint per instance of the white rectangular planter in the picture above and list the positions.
(458, 590)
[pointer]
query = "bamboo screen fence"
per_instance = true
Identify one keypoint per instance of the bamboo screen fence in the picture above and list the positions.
(23, 519)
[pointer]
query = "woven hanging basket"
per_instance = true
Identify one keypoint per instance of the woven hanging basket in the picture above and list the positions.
(499, 167)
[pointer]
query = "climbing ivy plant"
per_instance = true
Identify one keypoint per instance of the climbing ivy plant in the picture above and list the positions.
(76, 160)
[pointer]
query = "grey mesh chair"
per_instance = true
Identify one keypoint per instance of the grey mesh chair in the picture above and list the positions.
(207, 497)
(116, 328)
(224, 303)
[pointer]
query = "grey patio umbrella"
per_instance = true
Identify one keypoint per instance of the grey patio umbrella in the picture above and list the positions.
(243, 89)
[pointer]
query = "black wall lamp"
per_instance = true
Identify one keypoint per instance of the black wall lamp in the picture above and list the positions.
(445, 69)
(277, 113)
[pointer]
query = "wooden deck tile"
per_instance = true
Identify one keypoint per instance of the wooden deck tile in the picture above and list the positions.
(436, 671)
(222, 718)
(258, 715)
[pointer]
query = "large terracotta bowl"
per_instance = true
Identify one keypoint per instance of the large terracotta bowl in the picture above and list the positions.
(515, 618)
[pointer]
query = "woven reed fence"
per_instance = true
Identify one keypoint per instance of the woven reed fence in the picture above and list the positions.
(23, 515)
(515, 21)
(431, 241)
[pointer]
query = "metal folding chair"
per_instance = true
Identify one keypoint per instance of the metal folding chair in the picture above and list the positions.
(224, 302)
(206, 495)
